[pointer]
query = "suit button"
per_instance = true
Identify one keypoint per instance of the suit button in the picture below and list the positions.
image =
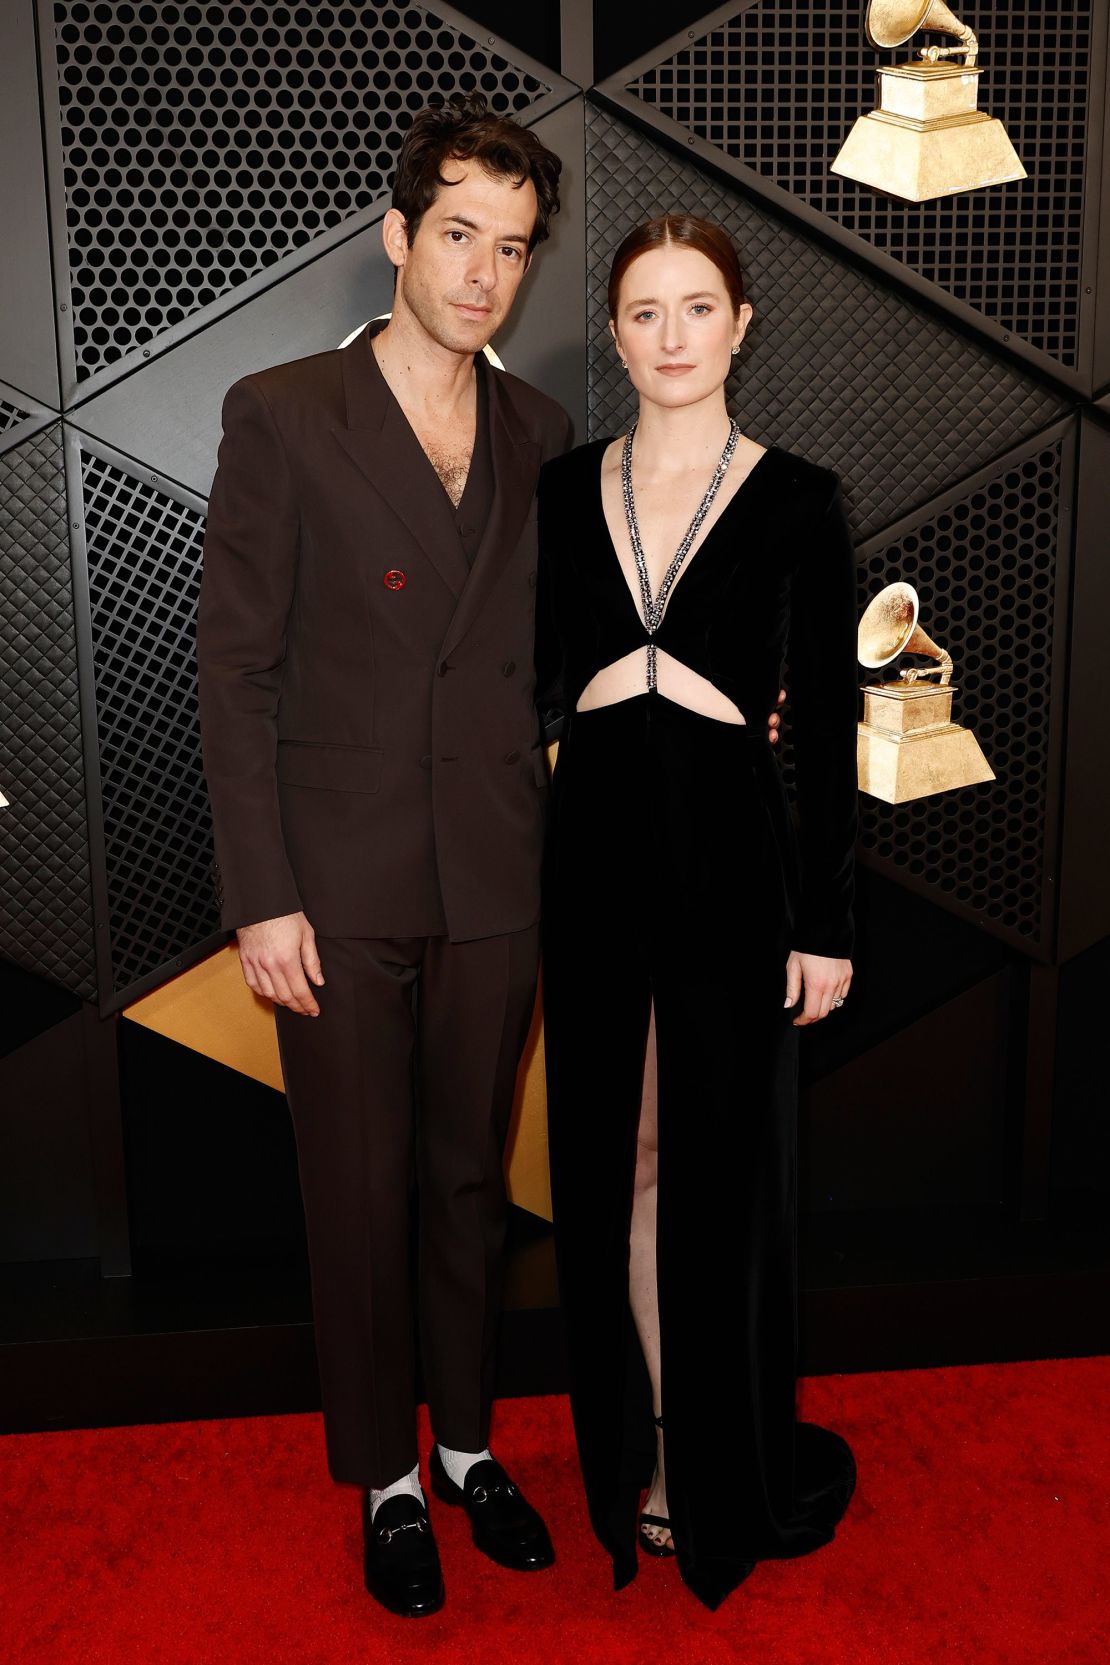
(512, 757)
(531, 580)
(508, 667)
(443, 669)
(426, 761)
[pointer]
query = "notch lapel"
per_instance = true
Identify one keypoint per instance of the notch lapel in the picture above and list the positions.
(515, 461)
(382, 445)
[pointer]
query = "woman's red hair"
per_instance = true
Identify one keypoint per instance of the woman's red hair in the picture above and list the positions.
(684, 231)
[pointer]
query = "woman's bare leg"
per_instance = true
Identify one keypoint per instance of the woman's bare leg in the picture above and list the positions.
(643, 1288)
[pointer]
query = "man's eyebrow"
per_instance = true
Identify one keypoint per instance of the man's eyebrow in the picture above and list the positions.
(461, 219)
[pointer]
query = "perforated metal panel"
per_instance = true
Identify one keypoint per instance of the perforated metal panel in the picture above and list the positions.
(985, 570)
(144, 553)
(11, 416)
(835, 365)
(202, 143)
(778, 87)
(46, 922)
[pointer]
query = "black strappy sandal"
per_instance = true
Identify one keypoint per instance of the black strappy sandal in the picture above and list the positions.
(646, 1544)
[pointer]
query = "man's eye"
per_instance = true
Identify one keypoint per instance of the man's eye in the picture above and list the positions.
(460, 235)
(509, 250)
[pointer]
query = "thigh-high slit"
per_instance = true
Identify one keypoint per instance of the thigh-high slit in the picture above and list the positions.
(666, 881)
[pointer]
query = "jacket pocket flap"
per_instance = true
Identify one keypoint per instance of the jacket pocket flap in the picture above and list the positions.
(334, 768)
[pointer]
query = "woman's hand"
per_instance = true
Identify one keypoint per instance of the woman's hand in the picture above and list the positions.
(825, 981)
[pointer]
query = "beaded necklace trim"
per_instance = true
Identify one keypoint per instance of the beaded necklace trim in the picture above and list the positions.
(653, 609)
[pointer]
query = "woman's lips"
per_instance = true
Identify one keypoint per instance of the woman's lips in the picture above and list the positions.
(674, 369)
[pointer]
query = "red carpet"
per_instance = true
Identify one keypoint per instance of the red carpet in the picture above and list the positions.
(980, 1533)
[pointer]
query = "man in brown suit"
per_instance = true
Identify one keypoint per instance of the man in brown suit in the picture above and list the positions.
(377, 785)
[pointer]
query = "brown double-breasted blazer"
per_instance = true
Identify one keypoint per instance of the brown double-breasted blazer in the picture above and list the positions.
(368, 729)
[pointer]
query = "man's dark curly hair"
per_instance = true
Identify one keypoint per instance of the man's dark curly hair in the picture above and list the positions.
(467, 129)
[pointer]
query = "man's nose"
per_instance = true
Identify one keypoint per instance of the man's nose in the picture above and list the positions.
(483, 269)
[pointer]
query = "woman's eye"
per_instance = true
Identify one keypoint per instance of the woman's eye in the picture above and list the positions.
(700, 306)
(640, 316)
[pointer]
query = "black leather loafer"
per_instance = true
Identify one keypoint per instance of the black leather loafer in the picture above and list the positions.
(400, 1559)
(503, 1523)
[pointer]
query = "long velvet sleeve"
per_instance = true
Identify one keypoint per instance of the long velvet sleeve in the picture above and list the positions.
(247, 588)
(824, 701)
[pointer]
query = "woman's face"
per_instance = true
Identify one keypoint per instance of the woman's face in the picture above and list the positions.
(675, 326)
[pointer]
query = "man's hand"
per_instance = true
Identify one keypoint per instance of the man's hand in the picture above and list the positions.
(825, 980)
(774, 719)
(278, 956)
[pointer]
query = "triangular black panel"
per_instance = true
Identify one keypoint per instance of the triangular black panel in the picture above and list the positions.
(28, 349)
(46, 920)
(204, 147)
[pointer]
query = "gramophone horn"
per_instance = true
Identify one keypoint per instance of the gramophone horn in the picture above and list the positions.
(892, 22)
(889, 627)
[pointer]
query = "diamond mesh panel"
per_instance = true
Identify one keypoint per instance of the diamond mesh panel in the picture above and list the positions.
(144, 553)
(11, 416)
(835, 365)
(778, 87)
(986, 572)
(46, 922)
(201, 143)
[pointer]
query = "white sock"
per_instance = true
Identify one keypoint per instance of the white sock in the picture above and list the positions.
(407, 1486)
(458, 1462)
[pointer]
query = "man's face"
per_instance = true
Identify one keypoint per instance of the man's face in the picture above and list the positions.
(461, 274)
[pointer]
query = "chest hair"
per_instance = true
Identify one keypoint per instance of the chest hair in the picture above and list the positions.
(451, 463)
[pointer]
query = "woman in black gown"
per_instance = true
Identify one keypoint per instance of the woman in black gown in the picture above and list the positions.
(688, 931)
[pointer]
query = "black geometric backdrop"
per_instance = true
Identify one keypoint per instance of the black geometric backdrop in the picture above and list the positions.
(46, 913)
(144, 560)
(771, 86)
(203, 144)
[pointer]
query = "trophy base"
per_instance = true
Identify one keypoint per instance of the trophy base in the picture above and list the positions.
(927, 139)
(899, 767)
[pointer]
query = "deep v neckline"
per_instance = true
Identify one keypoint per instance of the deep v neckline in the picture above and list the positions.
(634, 595)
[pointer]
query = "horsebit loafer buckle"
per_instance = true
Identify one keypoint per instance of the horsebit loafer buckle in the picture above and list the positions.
(386, 1534)
(481, 1493)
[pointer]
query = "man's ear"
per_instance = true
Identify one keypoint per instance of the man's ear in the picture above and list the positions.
(395, 236)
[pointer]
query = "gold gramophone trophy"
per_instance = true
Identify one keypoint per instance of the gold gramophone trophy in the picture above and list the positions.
(907, 745)
(928, 138)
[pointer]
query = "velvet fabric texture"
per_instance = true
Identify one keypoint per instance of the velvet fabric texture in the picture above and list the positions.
(673, 875)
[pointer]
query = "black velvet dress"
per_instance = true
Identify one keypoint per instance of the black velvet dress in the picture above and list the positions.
(674, 874)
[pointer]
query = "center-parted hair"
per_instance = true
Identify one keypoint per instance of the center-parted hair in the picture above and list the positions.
(466, 129)
(683, 231)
